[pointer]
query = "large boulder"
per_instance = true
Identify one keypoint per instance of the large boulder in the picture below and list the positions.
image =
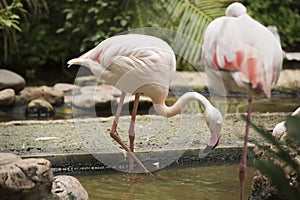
(32, 179)
(7, 97)
(24, 179)
(9, 79)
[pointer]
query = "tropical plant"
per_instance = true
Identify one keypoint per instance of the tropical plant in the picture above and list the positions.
(9, 23)
(187, 17)
(284, 14)
(87, 23)
(280, 163)
(16, 20)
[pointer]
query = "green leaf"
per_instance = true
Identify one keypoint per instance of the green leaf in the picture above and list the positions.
(60, 30)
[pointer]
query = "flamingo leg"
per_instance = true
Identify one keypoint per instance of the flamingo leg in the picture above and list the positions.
(133, 117)
(243, 164)
(131, 130)
(114, 134)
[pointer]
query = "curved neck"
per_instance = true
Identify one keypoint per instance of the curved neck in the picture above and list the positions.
(164, 110)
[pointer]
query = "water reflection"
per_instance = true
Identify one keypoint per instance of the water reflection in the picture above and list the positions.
(217, 182)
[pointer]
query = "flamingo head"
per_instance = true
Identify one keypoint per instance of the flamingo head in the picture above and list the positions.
(235, 10)
(214, 121)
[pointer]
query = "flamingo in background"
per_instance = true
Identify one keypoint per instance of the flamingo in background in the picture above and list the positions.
(246, 56)
(280, 128)
(138, 64)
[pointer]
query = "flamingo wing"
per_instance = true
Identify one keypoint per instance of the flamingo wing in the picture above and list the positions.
(246, 48)
(130, 61)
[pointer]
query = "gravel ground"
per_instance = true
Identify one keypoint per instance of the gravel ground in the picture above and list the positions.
(152, 133)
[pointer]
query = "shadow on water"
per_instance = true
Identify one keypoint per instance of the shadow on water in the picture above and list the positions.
(209, 182)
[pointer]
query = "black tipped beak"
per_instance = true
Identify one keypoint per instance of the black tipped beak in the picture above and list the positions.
(209, 148)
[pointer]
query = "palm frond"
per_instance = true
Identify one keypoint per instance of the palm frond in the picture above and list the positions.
(192, 18)
(188, 18)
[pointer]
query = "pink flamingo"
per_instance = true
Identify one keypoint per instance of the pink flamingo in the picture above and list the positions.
(143, 64)
(246, 56)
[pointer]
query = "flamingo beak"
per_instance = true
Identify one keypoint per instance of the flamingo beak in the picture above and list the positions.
(214, 142)
(75, 61)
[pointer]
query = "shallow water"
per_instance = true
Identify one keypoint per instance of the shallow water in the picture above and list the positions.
(233, 105)
(213, 182)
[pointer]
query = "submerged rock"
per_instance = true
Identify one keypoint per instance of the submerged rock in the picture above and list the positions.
(68, 187)
(39, 108)
(9, 79)
(7, 97)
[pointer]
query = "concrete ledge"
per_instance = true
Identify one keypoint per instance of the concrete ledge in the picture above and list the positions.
(93, 162)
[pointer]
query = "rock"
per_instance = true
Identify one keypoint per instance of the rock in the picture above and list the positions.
(9, 79)
(68, 99)
(66, 88)
(86, 80)
(7, 97)
(262, 188)
(27, 179)
(68, 187)
(39, 108)
(54, 97)
(8, 158)
(90, 100)
(108, 89)
(289, 78)
(32, 179)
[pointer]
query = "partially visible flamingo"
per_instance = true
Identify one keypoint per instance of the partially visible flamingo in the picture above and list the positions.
(143, 64)
(280, 128)
(246, 56)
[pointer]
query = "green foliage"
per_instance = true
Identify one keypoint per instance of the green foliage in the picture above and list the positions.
(23, 17)
(8, 19)
(281, 156)
(284, 14)
(188, 17)
(87, 23)
(54, 31)
(9, 22)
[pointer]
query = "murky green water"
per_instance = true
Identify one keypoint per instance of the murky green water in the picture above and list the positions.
(217, 183)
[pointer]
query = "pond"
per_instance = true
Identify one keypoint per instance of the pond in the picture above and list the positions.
(205, 182)
(234, 105)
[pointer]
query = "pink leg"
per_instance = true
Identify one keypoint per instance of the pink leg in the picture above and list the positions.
(243, 164)
(133, 117)
(131, 130)
(114, 134)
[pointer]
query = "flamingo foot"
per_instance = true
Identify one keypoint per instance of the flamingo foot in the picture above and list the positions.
(117, 138)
